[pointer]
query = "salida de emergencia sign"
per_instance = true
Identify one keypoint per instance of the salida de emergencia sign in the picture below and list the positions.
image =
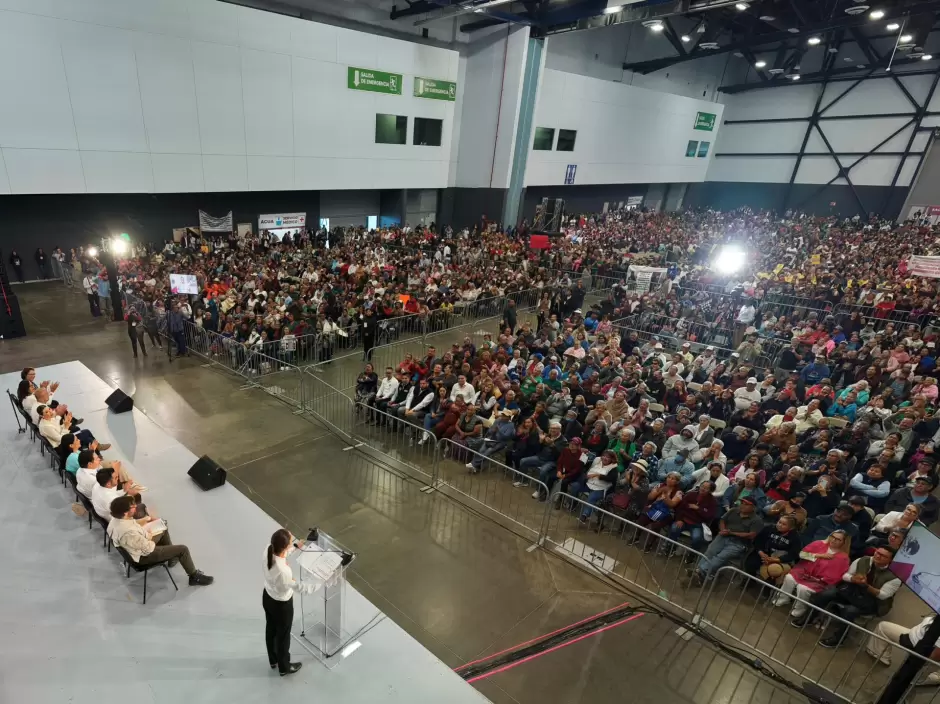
(705, 121)
(435, 89)
(374, 81)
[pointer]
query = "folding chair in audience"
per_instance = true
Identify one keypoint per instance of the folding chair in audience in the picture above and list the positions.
(129, 565)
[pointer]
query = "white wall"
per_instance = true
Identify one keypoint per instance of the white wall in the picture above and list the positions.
(850, 135)
(625, 134)
(492, 76)
(104, 96)
(602, 52)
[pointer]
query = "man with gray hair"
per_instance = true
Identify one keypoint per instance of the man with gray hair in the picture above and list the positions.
(553, 443)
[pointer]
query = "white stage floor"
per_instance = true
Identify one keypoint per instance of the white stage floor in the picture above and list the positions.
(74, 629)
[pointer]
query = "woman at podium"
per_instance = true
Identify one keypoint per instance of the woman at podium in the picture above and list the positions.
(278, 602)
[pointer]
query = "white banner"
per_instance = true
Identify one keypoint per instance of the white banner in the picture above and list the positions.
(925, 266)
(207, 223)
(266, 222)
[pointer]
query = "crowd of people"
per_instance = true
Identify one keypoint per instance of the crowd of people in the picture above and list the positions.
(781, 415)
(114, 495)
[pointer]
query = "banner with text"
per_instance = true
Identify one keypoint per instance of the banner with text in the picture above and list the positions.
(207, 223)
(374, 81)
(925, 266)
(435, 89)
(266, 222)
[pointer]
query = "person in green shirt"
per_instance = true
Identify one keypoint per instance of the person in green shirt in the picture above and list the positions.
(553, 382)
(624, 447)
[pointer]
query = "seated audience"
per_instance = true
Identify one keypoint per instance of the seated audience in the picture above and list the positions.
(822, 564)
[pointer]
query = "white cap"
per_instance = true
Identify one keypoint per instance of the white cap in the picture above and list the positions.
(658, 346)
(686, 344)
(710, 347)
(751, 380)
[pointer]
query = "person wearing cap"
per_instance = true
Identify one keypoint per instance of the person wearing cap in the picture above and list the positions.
(737, 529)
(746, 395)
(920, 494)
(708, 360)
(925, 467)
(815, 372)
(687, 357)
(821, 527)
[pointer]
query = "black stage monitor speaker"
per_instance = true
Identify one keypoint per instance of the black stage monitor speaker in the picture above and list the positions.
(207, 474)
(120, 402)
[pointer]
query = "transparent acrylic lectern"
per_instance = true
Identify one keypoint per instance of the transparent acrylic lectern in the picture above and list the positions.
(321, 565)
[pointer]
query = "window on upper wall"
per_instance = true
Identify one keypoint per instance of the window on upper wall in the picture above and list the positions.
(544, 139)
(566, 140)
(391, 129)
(703, 149)
(428, 132)
(691, 147)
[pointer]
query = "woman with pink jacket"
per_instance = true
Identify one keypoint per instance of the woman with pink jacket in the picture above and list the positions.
(822, 564)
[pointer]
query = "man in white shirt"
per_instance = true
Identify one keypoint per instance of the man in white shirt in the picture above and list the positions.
(463, 389)
(129, 535)
(906, 637)
(387, 390)
(107, 488)
(91, 290)
(747, 394)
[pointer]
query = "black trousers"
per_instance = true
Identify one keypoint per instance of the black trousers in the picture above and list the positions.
(135, 339)
(278, 617)
(833, 601)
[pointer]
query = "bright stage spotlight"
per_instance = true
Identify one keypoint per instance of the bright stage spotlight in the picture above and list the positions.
(729, 260)
(119, 246)
(92, 252)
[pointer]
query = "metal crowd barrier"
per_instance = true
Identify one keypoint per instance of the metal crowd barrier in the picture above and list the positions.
(493, 486)
(399, 439)
(880, 318)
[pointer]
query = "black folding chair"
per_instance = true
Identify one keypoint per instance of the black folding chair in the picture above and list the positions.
(17, 412)
(129, 565)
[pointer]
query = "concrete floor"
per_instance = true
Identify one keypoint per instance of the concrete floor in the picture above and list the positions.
(460, 584)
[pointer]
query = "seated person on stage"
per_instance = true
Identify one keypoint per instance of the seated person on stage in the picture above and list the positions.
(42, 396)
(86, 478)
(53, 428)
(107, 488)
(128, 534)
(737, 530)
(906, 637)
(866, 589)
(822, 564)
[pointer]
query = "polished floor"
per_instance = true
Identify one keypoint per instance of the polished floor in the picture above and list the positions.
(461, 585)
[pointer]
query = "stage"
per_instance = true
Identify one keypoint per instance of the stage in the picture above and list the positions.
(75, 630)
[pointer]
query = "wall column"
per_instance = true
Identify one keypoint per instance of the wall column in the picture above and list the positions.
(534, 62)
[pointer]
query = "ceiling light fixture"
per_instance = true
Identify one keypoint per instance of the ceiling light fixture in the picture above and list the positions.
(876, 14)
(767, 18)
(741, 6)
(793, 30)
(906, 38)
(926, 57)
(893, 27)
(657, 27)
(760, 64)
(795, 77)
(613, 10)
(685, 38)
(813, 41)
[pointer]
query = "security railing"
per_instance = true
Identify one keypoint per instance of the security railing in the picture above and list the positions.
(477, 474)
(399, 436)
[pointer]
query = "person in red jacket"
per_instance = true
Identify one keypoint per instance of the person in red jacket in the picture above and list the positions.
(698, 508)
(568, 468)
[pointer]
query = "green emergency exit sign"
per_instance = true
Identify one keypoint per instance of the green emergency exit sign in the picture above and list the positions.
(374, 81)
(435, 89)
(705, 121)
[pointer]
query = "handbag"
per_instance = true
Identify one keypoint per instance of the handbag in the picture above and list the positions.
(659, 511)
